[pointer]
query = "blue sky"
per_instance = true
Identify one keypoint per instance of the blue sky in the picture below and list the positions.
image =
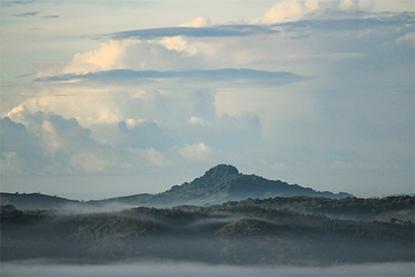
(106, 98)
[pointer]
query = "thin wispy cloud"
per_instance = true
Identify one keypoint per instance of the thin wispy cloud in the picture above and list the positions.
(15, 3)
(36, 14)
(26, 14)
(223, 74)
(50, 16)
(212, 31)
(361, 22)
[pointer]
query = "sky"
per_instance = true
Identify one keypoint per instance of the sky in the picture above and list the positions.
(109, 98)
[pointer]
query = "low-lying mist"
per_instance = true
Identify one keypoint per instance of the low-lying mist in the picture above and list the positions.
(239, 235)
(153, 269)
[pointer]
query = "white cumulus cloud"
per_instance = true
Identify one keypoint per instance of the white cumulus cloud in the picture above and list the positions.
(407, 39)
(108, 55)
(131, 123)
(178, 44)
(197, 151)
(156, 158)
(197, 22)
(197, 121)
(293, 10)
(290, 10)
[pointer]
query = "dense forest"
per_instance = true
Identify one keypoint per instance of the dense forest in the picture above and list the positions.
(300, 231)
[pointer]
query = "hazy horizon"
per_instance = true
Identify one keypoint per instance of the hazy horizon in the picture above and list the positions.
(109, 192)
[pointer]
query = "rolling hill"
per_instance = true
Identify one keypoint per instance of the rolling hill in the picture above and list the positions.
(219, 184)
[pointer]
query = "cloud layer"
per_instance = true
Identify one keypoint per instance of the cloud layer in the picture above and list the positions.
(313, 92)
(212, 75)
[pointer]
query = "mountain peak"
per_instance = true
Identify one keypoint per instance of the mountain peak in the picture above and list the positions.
(222, 170)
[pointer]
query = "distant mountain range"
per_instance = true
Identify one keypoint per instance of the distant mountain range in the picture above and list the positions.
(219, 184)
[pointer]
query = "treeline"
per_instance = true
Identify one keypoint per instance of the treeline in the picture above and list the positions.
(395, 209)
(247, 232)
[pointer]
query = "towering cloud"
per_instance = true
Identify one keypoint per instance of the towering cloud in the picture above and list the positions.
(292, 10)
(303, 88)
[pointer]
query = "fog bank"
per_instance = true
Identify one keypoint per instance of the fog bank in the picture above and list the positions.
(45, 269)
